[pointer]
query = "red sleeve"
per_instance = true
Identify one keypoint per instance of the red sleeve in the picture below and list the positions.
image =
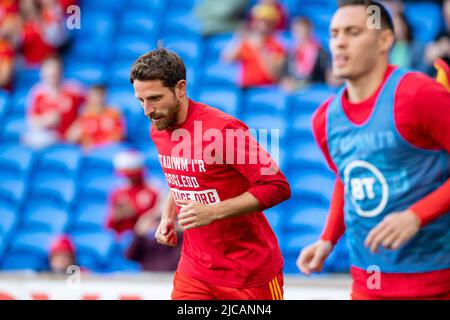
(319, 125)
(335, 226)
(111, 204)
(267, 183)
(431, 114)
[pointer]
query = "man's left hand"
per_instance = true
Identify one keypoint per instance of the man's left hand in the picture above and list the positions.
(395, 230)
(194, 214)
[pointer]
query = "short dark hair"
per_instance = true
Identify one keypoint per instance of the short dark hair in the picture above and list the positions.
(99, 87)
(385, 17)
(159, 64)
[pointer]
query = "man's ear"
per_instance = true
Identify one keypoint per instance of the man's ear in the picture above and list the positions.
(180, 89)
(387, 39)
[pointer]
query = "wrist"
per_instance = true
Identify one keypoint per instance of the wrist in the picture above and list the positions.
(417, 216)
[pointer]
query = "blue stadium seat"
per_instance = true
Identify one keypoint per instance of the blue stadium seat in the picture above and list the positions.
(25, 78)
(270, 100)
(152, 7)
(58, 161)
(190, 50)
(8, 220)
(129, 48)
(267, 122)
(86, 51)
(214, 46)
(28, 250)
(99, 160)
(4, 103)
(100, 6)
(306, 153)
(19, 102)
(181, 23)
(425, 18)
(12, 191)
(227, 99)
(90, 216)
(313, 184)
(139, 22)
(221, 74)
(295, 241)
(182, 5)
(275, 217)
(59, 190)
(305, 217)
(15, 161)
(309, 99)
(87, 73)
(14, 127)
(96, 25)
(122, 98)
(45, 217)
(120, 78)
(94, 249)
(319, 14)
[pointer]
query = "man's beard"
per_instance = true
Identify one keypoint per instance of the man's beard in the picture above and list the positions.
(168, 120)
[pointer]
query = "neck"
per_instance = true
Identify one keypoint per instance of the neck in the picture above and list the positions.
(182, 113)
(363, 87)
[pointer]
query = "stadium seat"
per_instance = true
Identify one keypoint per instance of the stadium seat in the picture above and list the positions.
(90, 216)
(221, 74)
(96, 25)
(19, 102)
(46, 217)
(181, 23)
(28, 249)
(227, 100)
(58, 190)
(152, 7)
(99, 160)
(305, 153)
(214, 46)
(94, 249)
(295, 241)
(425, 18)
(4, 103)
(268, 122)
(25, 78)
(58, 161)
(268, 100)
(100, 6)
(87, 73)
(12, 191)
(8, 220)
(14, 127)
(138, 22)
(306, 217)
(129, 48)
(15, 161)
(190, 50)
(309, 99)
(313, 184)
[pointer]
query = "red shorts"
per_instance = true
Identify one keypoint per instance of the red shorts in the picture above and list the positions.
(189, 288)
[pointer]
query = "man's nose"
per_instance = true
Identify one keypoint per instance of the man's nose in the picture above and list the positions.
(148, 108)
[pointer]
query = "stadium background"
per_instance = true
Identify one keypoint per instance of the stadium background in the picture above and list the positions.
(62, 189)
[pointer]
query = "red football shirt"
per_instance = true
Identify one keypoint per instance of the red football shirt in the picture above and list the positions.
(422, 117)
(141, 198)
(253, 69)
(237, 252)
(66, 103)
(101, 128)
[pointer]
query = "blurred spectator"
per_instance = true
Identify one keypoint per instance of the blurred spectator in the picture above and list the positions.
(6, 62)
(146, 250)
(407, 52)
(307, 59)
(62, 255)
(282, 21)
(443, 73)
(43, 29)
(260, 54)
(220, 16)
(54, 105)
(132, 201)
(440, 48)
(98, 124)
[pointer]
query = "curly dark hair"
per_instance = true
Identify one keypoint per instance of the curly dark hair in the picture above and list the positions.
(159, 64)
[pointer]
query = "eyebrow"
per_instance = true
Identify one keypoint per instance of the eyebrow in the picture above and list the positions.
(346, 28)
(150, 96)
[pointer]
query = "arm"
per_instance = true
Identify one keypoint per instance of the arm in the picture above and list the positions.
(335, 226)
(166, 233)
(432, 125)
(268, 186)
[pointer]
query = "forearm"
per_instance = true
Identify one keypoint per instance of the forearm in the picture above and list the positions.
(335, 226)
(170, 209)
(238, 206)
(434, 205)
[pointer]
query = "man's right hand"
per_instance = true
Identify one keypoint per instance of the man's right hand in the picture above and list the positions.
(311, 258)
(165, 234)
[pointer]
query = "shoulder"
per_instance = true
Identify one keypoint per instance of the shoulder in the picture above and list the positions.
(319, 117)
(417, 85)
(212, 117)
